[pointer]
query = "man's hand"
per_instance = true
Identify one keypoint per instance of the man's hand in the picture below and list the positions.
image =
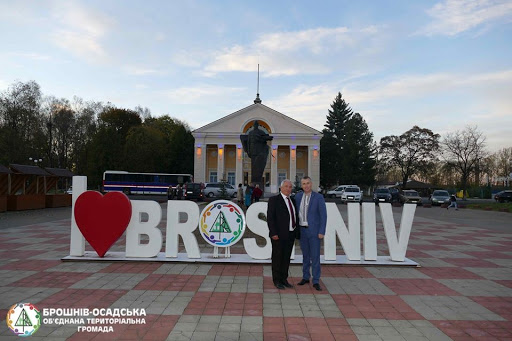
(320, 236)
(276, 237)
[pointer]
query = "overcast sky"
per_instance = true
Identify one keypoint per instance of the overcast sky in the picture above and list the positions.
(441, 65)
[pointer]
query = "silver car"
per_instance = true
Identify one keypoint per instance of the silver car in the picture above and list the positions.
(440, 197)
(212, 189)
(352, 194)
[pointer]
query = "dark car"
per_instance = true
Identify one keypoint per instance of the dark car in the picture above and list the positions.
(440, 197)
(503, 196)
(408, 196)
(382, 195)
(193, 190)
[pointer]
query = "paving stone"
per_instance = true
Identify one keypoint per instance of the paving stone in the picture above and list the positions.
(10, 276)
(450, 308)
(183, 269)
(110, 281)
(365, 286)
(493, 273)
(12, 295)
(155, 302)
(447, 254)
(431, 262)
(476, 287)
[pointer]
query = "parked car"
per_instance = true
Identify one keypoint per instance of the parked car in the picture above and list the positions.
(503, 196)
(440, 197)
(352, 194)
(409, 196)
(336, 193)
(212, 189)
(382, 195)
(193, 190)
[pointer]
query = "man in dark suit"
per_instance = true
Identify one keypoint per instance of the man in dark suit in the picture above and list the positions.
(282, 220)
(312, 221)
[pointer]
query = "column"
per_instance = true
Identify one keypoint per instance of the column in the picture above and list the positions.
(293, 163)
(274, 186)
(239, 177)
(314, 165)
(220, 162)
(199, 163)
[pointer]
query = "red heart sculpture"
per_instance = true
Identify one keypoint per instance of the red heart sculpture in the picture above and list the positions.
(102, 219)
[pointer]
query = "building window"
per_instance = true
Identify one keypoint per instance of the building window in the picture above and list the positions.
(267, 179)
(280, 178)
(213, 176)
(231, 178)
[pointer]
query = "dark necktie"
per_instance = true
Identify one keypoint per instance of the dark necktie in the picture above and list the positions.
(291, 212)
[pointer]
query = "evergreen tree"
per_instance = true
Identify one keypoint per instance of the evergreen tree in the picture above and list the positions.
(334, 141)
(347, 150)
(359, 153)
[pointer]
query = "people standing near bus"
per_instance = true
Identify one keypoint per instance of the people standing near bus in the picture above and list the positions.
(240, 195)
(170, 193)
(257, 193)
(179, 191)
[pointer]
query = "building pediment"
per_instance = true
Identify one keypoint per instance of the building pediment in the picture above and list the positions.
(233, 124)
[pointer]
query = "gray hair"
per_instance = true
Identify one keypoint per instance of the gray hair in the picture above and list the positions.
(305, 177)
(286, 180)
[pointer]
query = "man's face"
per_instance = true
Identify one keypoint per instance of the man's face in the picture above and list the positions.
(306, 185)
(286, 188)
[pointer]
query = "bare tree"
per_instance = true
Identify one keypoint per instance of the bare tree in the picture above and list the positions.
(412, 152)
(465, 149)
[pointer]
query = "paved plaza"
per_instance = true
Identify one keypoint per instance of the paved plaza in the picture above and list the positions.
(462, 291)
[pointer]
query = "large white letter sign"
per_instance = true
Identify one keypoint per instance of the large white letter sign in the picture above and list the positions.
(185, 230)
(350, 238)
(77, 241)
(259, 227)
(137, 227)
(397, 248)
(369, 231)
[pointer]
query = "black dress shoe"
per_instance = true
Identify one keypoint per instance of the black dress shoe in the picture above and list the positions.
(303, 281)
(287, 284)
(317, 287)
(279, 286)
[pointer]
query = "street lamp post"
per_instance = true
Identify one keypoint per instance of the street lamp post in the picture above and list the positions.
(49, 125)
(37, 162)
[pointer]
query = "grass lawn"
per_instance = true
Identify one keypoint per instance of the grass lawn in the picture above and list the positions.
(501, 207)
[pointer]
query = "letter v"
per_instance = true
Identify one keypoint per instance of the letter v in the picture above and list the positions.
(397, 247)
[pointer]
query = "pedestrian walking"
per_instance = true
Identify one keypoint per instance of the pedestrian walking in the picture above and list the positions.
(453, 202)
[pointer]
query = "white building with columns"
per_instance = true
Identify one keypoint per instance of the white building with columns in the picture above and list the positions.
(294, 151)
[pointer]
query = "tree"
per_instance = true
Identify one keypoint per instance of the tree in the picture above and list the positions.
(144, 150)
(333, 142)
(107, 148)
(359, 165)
(21, 134)
(347, 150)
(465, 149)
(504, 162)
(411, 152)
(85, 129)
(179, 144)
